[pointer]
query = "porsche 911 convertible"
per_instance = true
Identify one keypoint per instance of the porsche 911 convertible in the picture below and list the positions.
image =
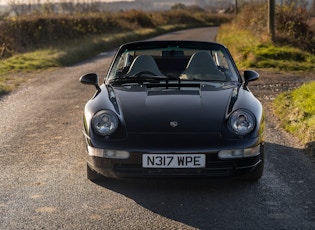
(173, 109)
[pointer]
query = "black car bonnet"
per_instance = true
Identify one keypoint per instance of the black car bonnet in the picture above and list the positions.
(198, 108)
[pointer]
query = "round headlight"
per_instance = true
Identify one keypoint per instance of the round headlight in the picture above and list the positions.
(242, 122)
(105, 122)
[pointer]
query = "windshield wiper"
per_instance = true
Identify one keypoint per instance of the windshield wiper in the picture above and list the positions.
(140, 77)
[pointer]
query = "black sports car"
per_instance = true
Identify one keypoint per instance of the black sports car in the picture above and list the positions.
(173, 108)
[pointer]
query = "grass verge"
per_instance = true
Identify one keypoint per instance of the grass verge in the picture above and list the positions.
(251, 52)
(296, 110)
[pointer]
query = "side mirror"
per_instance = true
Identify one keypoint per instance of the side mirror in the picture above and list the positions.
(90, 79)
(250, 75)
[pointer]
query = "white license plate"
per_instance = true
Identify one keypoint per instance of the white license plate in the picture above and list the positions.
(173, 160)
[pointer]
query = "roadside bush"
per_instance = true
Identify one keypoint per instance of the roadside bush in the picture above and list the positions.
(252, 17)
(134, 19)
(180, 16)
(293, 27)
(292, 24)
(25, 33)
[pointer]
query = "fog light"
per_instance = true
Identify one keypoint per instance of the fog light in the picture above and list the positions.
(107, 153)
(239, 153)
(118, 154)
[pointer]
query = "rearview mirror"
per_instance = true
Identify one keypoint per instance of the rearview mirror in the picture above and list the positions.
(90, 79)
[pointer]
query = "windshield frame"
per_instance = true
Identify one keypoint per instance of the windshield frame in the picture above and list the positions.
(172, 48)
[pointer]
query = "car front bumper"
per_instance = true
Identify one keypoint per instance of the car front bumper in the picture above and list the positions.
(215, 165)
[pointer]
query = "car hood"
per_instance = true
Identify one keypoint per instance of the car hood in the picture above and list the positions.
(199, 108)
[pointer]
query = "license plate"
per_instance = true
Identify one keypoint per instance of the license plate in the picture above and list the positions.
(173, 160)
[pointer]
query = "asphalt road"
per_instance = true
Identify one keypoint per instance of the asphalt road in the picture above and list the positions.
(43, 171)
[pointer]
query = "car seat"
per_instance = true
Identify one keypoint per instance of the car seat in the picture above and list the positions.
(201, 66)
(143, 63)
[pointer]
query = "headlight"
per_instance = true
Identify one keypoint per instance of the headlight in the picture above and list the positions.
(104, 122)
(242, 122)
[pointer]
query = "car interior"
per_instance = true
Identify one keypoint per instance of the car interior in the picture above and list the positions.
(175, 64)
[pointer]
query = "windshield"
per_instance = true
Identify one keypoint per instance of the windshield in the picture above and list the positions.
(174, 63)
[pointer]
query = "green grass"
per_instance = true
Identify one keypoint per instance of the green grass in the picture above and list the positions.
(28, 62)
(237, 40)
(251, 52)
(296, 110)
(40, 59)
(279, 58)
